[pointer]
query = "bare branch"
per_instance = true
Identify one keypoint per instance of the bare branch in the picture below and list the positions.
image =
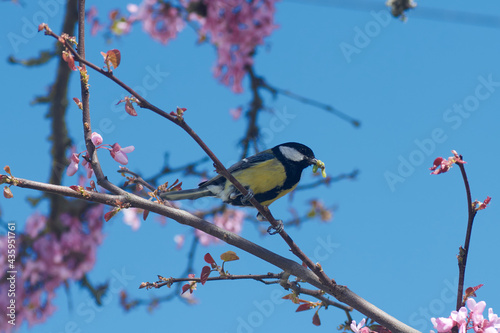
(341, 293)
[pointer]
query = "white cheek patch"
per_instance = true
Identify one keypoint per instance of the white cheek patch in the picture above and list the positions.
(291, 153)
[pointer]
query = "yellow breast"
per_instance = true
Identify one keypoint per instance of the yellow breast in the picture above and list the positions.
(262, 178)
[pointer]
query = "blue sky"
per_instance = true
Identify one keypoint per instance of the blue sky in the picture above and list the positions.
(420, 89)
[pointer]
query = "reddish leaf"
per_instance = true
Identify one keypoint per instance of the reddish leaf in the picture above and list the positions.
(68, 57)
(303, 307)
(114, 57)
(316, 320)
(110, 214)
(205, 272)
(129, 108)
(471, 291)
(208, 259)
(7, 193)
(145, 214)
(7, 169)
(185, 288)
(229, 256)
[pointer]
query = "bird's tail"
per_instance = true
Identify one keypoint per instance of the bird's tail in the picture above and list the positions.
(187, 194)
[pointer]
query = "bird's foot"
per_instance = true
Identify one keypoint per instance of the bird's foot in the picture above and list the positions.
(246, 198)
(276, 230)
(271, 230)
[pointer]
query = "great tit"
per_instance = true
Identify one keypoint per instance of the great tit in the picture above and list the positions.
(267, 176)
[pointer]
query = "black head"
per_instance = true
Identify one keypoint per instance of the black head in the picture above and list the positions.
(296, 154)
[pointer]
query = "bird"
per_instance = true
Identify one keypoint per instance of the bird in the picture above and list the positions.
(267, 176)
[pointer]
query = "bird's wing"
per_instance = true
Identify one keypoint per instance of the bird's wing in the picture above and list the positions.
(243, 164)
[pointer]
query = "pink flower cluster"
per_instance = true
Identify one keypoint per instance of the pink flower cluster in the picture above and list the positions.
(118, 153)
(159, 19)
(231, 220)
(46, 259)
(236, 28)
(472, 320)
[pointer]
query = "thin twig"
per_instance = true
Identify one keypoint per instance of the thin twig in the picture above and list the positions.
(137, 179)
(170, 281)
(306, 100)
(188, 169)
(464, 252)
(319, 295)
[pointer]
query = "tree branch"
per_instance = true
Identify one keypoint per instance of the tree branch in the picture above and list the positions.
(341, 293)
(464, 251)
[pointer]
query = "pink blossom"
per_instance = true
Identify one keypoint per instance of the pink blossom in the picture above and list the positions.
(91, 17)
(460, 318)
(91, 14)
(35, 223)
(493, 318)
(179, 241)
(159, 19)
(88, 167)
(119, 154)
(476, 310)
(357, 328)
(231, 220)
(236, 113)
(442, 324)
(96, 139)
(73, 165)
(234, 27)
(474, 319)
(131, 218)
(49, 260)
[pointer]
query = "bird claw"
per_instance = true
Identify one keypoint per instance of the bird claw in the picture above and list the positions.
(246, 198)
(270, 231)
(277, 229)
